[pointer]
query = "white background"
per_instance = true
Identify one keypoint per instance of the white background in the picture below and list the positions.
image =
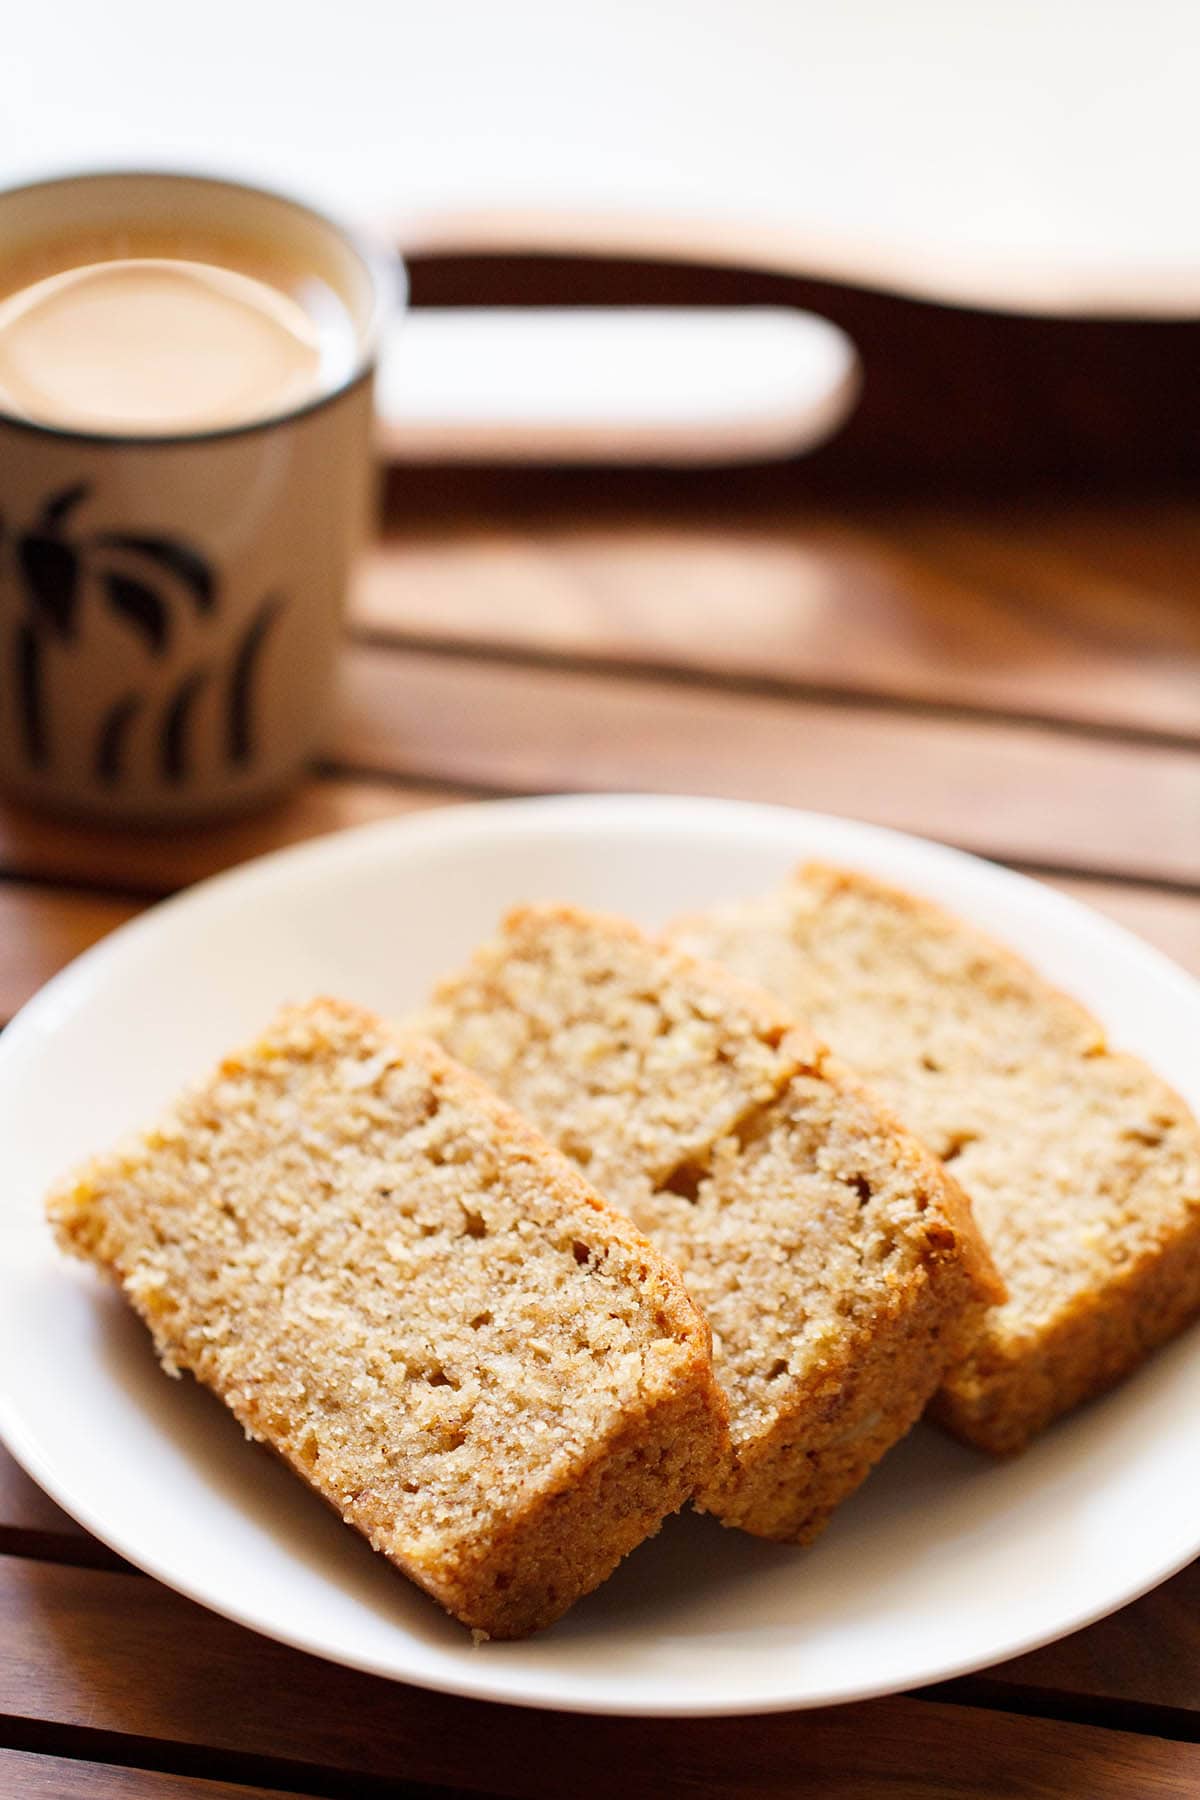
(1039, 153)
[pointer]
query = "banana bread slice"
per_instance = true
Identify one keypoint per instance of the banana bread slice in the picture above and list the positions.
(1082, 1165)
(837, 1265)
(423, 1308)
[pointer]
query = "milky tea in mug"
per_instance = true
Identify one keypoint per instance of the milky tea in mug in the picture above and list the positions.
(185, 410)
(158, 332)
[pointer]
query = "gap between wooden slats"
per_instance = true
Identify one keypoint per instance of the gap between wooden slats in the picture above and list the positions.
(1075, 613)
(140, 861)
(1012, 792)
(1146, 1655)
(102, 1652)
(39, 1777)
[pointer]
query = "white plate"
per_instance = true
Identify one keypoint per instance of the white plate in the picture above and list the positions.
(943, 1562)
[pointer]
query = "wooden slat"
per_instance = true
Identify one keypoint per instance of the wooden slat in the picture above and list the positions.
(26, 1513)
(109, 1653)
(42, 928)
(32, 1525)
(1015, 792)
(36, 1777)
(1148, 1654)
(1081, 613)
(1150, 545)
(158, 862)
(1111, 589)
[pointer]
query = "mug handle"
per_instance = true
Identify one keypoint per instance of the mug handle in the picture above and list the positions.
(651, 385)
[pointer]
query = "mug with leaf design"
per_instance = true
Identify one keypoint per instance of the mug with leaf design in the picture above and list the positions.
(173, 559)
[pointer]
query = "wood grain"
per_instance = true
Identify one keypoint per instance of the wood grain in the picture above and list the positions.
(1070, 612)
(41, 929)
(157, 862)
(1021, 677)
(32, 1525)
(1147, 1655)
(112, 1654)
(1019, 793)
(35, 1777)
(26, 1512)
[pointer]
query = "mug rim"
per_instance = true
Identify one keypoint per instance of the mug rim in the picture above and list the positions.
(385, 269)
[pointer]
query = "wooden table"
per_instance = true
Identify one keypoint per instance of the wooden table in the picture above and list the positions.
(1021, 679)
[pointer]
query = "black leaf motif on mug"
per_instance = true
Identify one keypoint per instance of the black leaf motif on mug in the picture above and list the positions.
(173, 558)
(51, 573)
(28, 670)
(139, 606)
(55, 511)
(175, 745)
(240, 718)
(109, 760)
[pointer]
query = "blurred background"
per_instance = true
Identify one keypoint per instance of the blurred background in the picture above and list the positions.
(935, 567)
(798, 403)
(993, 200)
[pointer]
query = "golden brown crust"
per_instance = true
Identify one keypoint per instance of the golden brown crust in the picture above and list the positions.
(572, 1538)
(952, 1210)
(1074, 1017)
(843, 1418)
(1008, 1388)
(838, 1263)
(1082, 1164)
(387, 1396)
(837, 1419)
(761, 1012)
(1003, 1394)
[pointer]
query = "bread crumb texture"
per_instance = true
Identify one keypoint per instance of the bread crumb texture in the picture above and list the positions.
(837, 1265)
(1082, 1166)
(427, 1312)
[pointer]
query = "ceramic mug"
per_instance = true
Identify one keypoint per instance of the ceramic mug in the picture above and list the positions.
(170, 606)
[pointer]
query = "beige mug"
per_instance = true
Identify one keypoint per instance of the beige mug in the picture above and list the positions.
(170, 605)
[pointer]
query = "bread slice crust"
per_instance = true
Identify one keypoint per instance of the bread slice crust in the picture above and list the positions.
(837, 1264)
(1082, 1165)
(424, 1310)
